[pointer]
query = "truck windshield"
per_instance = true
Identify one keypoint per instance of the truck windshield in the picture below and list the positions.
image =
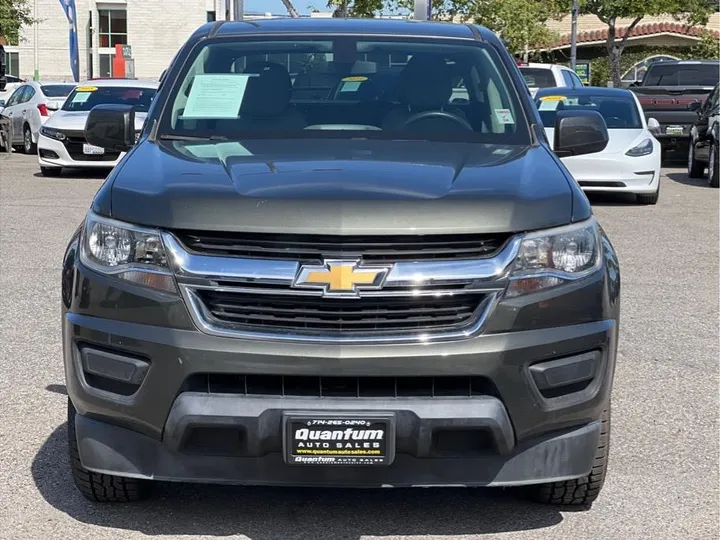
(84, 98)
(619, 112)
(345, 86)
(682, 75)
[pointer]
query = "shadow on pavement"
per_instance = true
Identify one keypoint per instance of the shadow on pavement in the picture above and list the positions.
(271, 513)
(75, 174)
(611, 199)
(57, 389)
(683, 178)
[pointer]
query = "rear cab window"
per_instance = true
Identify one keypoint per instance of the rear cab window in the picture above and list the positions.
(672, 74)
(538, 77)
(337, 86)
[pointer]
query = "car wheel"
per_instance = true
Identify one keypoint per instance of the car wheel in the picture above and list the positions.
(28, 146)
(101, 487)
(648, 198)
(695, 168)
(580, 491)
(713, 169)
(51, 172)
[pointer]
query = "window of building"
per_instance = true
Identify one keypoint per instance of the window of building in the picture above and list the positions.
(12, 64)
(106, 64)
(211, 16)
(112, 27)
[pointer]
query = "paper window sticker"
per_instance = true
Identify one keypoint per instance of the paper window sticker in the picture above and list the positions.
(504, 116)
(216, 96)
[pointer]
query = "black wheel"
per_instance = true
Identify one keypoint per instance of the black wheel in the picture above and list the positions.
(648, 198)
(51, 171)
(28, 146)
(713, 169)
(101, 487)
(580, 491)
(695, 168)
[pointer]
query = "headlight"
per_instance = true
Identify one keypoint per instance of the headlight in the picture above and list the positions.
(643, 149)
(126, 252)
(550, 258)
(52, 133)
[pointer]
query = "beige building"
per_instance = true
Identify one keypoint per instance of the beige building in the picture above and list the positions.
(154, 29)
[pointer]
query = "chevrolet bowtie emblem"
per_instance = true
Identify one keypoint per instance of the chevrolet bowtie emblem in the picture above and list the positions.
(341, 277)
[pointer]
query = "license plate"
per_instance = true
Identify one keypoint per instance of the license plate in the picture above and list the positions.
(674, 130)
(339, 439)
(91, 150)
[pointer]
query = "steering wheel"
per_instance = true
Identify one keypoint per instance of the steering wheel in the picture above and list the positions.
(437, 115)
(615, 121)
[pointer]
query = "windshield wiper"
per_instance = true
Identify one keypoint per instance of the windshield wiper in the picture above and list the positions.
(169, 137)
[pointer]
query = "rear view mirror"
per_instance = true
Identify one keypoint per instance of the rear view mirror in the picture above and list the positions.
(111, 127)
(580, 132)
(653, 126)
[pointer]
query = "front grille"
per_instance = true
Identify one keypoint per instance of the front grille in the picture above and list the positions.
(348, 387)
(74, 141)
(334, 315)
(369, 248)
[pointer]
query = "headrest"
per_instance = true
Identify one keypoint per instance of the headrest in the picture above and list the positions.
(425, 83)
(268, 93)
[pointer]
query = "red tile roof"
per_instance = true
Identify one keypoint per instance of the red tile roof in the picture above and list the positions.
(640, 30)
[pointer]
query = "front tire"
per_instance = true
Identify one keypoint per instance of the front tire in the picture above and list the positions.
(99, 487)
(713, 169)
(580, 491)
(695, 168)
(51, 172)
(29, 147)
(648, 198)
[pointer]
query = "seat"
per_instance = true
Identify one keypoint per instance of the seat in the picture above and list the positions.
(266, 104)
(425, 84)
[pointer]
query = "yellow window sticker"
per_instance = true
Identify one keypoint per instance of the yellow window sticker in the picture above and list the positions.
(355, 79)
(553, 98)
(86, 88)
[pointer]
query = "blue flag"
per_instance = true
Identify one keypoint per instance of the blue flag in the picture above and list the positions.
(69, 8)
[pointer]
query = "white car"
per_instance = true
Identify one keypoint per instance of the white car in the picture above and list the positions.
(631, 161)
(30, 106)
(62, 139)
(539, 76)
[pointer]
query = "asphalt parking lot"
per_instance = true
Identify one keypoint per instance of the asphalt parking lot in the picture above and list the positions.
(663, 478)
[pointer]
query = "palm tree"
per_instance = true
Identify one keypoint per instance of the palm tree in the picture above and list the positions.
(291, 9)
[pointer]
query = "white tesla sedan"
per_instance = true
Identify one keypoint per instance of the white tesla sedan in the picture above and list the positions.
(62, 139)
(631, 161)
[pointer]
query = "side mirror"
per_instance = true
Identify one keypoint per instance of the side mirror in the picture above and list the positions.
(580, 132)
(3, 83)
(694, 106)
(2, 103)
(653, 126)
(111, 127)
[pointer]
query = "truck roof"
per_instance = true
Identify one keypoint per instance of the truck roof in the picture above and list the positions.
(386, 27)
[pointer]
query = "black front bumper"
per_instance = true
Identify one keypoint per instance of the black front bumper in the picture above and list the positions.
(548, 360)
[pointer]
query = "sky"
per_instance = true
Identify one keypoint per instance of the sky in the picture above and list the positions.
(276, 6)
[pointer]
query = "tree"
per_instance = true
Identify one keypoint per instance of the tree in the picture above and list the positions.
(520, 23)
(609, 11)
(14, 14)
(355, 8)
(290, 9)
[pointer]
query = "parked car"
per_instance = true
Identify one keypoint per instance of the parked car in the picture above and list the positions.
(322, 292)
(539, 76)
(12, 83)
(665, 93)
(630, 162)
(62, 140)
(29, 107)
(703, 151)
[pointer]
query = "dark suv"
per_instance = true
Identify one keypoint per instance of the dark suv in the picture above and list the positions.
(278, 285)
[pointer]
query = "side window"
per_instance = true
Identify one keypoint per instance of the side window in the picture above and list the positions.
(29, 94)
(577, 80)
(16, 97)
(567, 78)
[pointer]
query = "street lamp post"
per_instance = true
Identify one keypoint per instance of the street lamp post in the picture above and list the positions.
(36, 62)
(573, 34)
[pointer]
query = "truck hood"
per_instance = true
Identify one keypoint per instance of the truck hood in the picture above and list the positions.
(341, 187)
